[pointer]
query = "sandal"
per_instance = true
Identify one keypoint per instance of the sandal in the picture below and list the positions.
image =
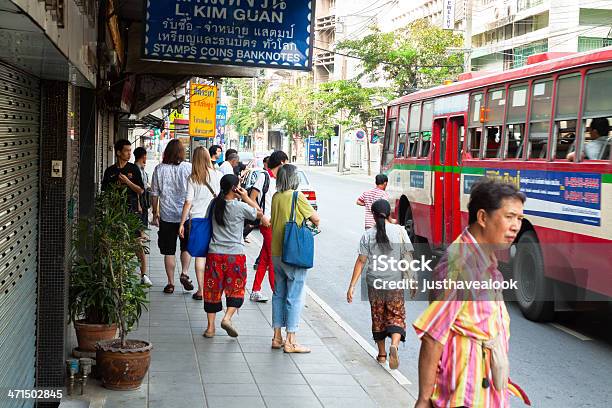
(208, 335)
(169, 288)
(277, 344)
(196, 296)
(381, 358)
(226, 325)
(393, 358)
(186, 282)
(295, 348)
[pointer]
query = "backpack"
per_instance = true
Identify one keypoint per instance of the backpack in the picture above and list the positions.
(261, 201)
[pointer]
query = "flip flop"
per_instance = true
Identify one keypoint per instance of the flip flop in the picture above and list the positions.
(393, 358)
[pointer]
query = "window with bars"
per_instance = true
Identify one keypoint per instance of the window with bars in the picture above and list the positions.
(521, 53)
(592, 43)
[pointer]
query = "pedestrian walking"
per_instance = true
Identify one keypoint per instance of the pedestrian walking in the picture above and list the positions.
(225, 270)
(464, 334)
(288, 296)
(368, 197)
(387, 307)
(202, 187)
(231, 161)
(265, 167)
(128, 176)
(215, 155)
(168, 191)
(262, 192)
(140, 160)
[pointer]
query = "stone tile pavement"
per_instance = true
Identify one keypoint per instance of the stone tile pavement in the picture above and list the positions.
(189, 370)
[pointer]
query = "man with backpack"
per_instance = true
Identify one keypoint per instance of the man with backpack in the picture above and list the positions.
(262, 192)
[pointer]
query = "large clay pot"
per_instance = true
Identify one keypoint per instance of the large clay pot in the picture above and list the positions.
(89, 334)
(123, 368)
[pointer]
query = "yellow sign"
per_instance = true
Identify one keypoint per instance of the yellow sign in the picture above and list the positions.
(202, 110)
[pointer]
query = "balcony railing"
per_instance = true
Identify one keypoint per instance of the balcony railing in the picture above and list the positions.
(324, 58)
(326, 23)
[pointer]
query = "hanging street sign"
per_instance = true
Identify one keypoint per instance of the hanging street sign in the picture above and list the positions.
(202, 110)
(260, 33)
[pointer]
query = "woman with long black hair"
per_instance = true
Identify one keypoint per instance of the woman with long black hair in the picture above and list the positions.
(225, 269)
(380, 248)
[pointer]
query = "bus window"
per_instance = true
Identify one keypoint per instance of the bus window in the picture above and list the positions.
(426, 127)
(425, 143)
(515, 137)
(413, 128)
(494, 116)
(414, 145)
(598, 111)
(515, 121)
(403, 126)
(460, 143)
(389, 142)
(541, 98)
(475, 124)
(492, 141)
(566, 114)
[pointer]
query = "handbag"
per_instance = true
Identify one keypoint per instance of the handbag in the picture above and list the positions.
(298, 241)
(200, 231)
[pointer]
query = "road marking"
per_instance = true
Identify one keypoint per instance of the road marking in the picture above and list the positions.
(369, 348)
(569, 331)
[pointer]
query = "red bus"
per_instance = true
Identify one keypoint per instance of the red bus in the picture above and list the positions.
(530, 126)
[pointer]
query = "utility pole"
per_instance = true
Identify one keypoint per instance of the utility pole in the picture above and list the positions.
(341, 145)
(467, 36)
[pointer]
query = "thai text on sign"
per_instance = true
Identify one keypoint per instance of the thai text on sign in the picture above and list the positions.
(265, 33)
(202, 110)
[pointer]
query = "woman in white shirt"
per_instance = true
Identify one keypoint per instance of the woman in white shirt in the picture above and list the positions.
(202, 187)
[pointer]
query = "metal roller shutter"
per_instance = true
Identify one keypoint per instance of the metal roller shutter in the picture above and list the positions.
(19, 139)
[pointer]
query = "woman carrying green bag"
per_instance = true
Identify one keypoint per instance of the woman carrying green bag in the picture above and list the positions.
(288, 297)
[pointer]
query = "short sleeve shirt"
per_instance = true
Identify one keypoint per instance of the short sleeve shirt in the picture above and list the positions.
(227, 239)
(281, 211)
(169, 183)
(400, 247)
(460, 326)
(132, 172)
(259, 186)
(200, 195)
(226, 168)
(369, 197)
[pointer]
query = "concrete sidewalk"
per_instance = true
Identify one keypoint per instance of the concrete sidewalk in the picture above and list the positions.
(188, 370)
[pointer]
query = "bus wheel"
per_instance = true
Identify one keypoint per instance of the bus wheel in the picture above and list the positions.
(532, 285)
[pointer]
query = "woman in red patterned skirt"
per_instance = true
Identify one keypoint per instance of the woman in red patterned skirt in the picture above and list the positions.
(225, 269)
(390, 242)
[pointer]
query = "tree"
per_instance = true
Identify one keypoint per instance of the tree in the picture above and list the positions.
(411, 58)
(248, 104)
(354, 103)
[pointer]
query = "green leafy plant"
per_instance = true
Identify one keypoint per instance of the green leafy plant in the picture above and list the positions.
(104, 287)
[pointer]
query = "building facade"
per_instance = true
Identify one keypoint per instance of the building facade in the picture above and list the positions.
(505, 33)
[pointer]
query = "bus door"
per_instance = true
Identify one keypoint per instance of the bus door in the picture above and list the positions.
(455, 136)
(439, 182)
(448, 137)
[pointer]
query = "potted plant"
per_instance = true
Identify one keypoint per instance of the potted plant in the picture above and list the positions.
(105, 287)
(90, 301)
